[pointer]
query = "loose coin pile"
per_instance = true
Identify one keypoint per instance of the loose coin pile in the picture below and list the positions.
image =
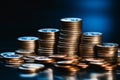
(88, 42)
(27, 45)
(107, 51)
(11, 59)
(31, 68)
(70, 34)
(48, 41)
(66, 66)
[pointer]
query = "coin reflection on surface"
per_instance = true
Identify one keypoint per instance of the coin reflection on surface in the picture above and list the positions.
(109, 75)
(45, 75)
(28, 75)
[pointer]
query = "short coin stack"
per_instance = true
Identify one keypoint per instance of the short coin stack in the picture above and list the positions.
(10, 59)
(107, 51)
(30, 67)
(48, 41)
(27, 45)
(88, 41)
(70, 34)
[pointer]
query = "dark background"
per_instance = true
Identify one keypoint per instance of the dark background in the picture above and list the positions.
(24, 18)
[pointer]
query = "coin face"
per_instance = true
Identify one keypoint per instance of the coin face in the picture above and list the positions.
(14, 56)
(7, 54)
(22, 51)
(65, 62)
(48, 30)
(43, 58)
(71, 19)
(33, 65)
(27, 38)
(108, 45)
(92, 34)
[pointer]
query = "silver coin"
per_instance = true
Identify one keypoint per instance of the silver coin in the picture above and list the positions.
(7, 54)
(108, 45)
(33, 65)
(28, 38)
(71, 19)
(15, 56)
(92, 34)
(47, 30)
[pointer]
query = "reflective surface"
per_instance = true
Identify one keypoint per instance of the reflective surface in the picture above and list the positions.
(53, 74)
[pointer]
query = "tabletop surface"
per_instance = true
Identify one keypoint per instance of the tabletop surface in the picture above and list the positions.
(51, 73)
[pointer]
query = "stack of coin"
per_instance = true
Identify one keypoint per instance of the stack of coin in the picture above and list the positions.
(107, 51)
(12, 59)
(27, 44)
(31, 68)
(88, 42)
(70, 34)
(48, 41)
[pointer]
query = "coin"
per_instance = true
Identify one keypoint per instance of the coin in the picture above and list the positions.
(30, 68)
(24, 52)
(7, 53)
(33, 65)
(58, 57)
(44, 60)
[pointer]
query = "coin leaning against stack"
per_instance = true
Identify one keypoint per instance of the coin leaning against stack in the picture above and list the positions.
(88, 42)
(70, 34)
(27, 45)
(48, 41)
(107, 51)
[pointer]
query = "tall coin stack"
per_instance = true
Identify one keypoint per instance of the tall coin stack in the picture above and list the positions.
(88, 42)
(27, 45)
(107, 51)
(48, 41)
(70, 34)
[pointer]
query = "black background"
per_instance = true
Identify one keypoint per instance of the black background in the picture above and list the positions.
(24, 18)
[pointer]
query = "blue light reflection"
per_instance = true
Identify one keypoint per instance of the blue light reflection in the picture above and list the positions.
(97, 23)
